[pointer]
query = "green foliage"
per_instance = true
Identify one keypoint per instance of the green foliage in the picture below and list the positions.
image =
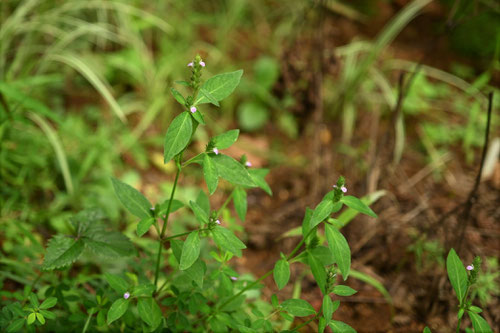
(178, 135)
(281, 273)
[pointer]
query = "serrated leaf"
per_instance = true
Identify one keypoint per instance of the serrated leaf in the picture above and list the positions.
(321, 212)
(178, 136)
(117, 309)
(119, 284)
(210, 173)
(225, 140)
(340, 249)
(178, 96)
(132, 199)
(190, 250)
(240, 202)
(48, 303)
(199, 212)
(258, 176)
(298, 307)
(149, 311)
(232, 171)
(144, 225)
(225, 239)
(341, 290)
(62, 251)
(318, 271)
(457, 274)
(281, 273)
(220, 86)
(340, 327)
(479, 323)
(109, 244)
(356, 204)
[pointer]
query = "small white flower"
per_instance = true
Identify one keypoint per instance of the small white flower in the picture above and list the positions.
(126, 295)
(216, 151)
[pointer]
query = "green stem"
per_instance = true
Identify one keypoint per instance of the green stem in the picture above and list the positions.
(191, 160)
(462, 303)
(87, 323)
(225, 204)
(166, 239)
(306, 322)
(164, 228)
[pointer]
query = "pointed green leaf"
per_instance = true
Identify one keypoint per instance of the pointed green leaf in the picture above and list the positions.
(203, 201)
(258, 176)
(197, 272)
(132, 199)
(327, 307)
(117, 309)
(232, 171)
(199, 212)
(479, 324)
(40, 318)
(48, 314)
(281, 273)
(176, 205)
(178, 96)
(298, 307)
(149, 311)
(321, 212)
(178, 136)
(356, 204)
(210, 173)
(227, 240)
(340, 327)
(318, 271)
(343, 290)
(209, 97)
(225, 140)
(457, 274)
(62, 251)
(219, 86)
(144, 225)
(119, 284)
(198, 116)
(190, 250)
(340, 249)
(48, 303)
(240, 202)
(144, 289)
(16, 325)
(111, 244)
(31, 318)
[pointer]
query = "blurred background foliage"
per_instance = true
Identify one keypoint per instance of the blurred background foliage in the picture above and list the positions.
(84, 92)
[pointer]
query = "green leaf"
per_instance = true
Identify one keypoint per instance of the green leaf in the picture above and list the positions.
(479, 323)
(321, 324)
(321, 212)
(318, 271)
(31, 318)
(62, 251)
(178, 96)
(149, 311)
(258, 176)
(132, 199)
(340, 327)
(48, 314)
(190, 250)
(33, 300)
(298, 307)
(203, 201)
(199, 212)
(358, 205)
(210, 173)
(281, 273)
(119, 284)
(225, 239)
(475, 309)
(197, 272)
(327, 307)
(209, 97)
(457, 274)
(198, 116)
(220, 86)
(178, 136)
(343, 290)
(143, 225)
(225, 140)
(232, 171)
(40, 318)
(117, 309)
(145, 289)
(306, 222)
(111, 244)
(16, 325)
(427, 330)
(240, 202)
(176, 205)
(48, 303)
(340, 249)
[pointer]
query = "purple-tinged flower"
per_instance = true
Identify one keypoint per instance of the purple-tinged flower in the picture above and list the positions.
(152, 208)
(470, 267)
(343, 188)
(217, 222)
(248, 164)
(216, 151)
(126, 295)
(193, 109)
(334, 186)
(234, 278)
(190, 64)
(202, 64)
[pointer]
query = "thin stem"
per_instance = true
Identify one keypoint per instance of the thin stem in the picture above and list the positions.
(166, 239)
(225, 203)
(307, 322)
(87, 323)
(164, 228)
(191, 160)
